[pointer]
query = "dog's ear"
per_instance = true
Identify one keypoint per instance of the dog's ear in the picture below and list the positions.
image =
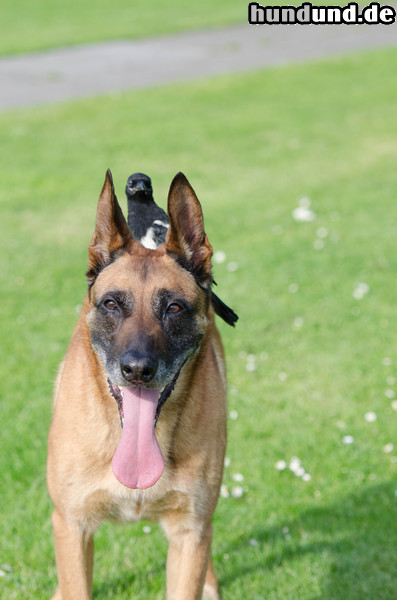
(186, 238)
(111, 234)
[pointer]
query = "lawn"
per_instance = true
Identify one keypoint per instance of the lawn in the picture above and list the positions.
(46, 24)
(32, 26)
(313, 361)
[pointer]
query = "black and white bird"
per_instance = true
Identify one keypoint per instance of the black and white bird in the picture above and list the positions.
(147, 221)
(149, 224)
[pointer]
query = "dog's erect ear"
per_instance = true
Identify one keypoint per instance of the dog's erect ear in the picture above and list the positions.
(111, 233)
(186, 236)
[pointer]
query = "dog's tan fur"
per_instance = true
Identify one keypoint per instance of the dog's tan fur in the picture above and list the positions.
(191, 430)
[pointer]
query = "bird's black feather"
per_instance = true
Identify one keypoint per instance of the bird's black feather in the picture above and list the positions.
(223, 311)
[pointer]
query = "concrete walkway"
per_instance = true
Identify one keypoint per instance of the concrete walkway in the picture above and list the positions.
(84, 71)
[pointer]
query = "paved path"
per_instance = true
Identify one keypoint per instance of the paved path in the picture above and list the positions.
(84, 71)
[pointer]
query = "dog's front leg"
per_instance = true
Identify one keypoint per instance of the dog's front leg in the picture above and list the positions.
(74, 551)
(189, 564)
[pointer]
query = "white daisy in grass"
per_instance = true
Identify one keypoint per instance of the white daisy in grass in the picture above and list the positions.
(237, 491)
(298, 323)
(232, 266)
(251, 367)
(251, 363)
(303, 214)
(295, 466)
(7, 568)
(370, 417)
(294, 463)
(389, 393)
(219, 257)
(146, 529)
(224, 493)
(360, 290)
(280, 465)
(348, 439)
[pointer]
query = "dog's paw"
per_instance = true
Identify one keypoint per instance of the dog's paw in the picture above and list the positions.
(210, 593)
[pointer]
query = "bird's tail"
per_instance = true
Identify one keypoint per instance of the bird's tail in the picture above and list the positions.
(223, 311)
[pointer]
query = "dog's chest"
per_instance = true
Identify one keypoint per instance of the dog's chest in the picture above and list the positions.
(135, 505)
(132, 508)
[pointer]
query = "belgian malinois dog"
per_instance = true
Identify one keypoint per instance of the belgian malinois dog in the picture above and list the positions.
(146, 342)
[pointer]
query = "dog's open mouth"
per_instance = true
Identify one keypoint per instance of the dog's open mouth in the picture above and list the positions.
(138, 462)
(117, 393)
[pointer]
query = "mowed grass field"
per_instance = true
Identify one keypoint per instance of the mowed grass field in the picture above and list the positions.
(312, 363)
(47, 24)
(44, 24)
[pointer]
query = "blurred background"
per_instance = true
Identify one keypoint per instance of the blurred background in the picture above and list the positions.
(289, 138)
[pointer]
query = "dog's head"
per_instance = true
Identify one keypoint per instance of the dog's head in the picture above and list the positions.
(149, 309)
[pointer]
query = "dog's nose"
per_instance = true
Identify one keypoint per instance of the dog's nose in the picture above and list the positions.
(138, 368)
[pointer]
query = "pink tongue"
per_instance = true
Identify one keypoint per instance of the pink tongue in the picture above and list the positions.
(138, 462)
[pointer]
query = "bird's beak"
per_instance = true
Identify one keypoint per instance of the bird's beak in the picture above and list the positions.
(140, 187)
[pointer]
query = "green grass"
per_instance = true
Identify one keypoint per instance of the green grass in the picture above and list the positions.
(252, 146)
(46, 24)
(31, 26)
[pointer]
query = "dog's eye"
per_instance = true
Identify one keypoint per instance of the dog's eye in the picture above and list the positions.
(110, 304)
(174, 308)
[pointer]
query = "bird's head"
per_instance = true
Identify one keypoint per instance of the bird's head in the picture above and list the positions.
(139, 186)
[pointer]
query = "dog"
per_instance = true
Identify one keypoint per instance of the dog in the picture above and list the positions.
(139, 420)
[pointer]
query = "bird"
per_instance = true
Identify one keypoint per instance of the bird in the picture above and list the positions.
(149, 224)
(147, 221)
